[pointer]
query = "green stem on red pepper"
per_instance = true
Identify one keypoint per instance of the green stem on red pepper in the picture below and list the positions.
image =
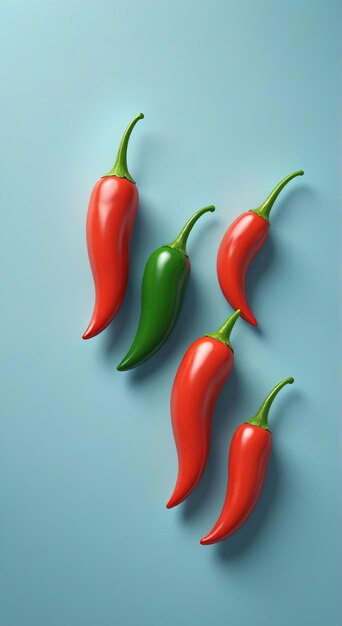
(265, 208)
(120, 168)
(223, 333)
(261, 417)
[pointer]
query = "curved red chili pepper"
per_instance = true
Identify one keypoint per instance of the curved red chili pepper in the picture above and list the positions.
(110, 220)
(249, 454)
(201, 375)
(240, 244)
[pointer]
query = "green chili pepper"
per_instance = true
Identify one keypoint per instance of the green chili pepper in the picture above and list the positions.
(164, 285)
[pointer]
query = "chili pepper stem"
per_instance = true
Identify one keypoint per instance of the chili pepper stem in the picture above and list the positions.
(180, 242)
(223, 333)
(261, 417)
(265, 208)
(120, 168)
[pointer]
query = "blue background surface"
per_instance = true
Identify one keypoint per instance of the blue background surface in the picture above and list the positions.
(236, 95)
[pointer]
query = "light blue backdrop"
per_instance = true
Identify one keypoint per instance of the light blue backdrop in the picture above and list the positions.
(236, 95)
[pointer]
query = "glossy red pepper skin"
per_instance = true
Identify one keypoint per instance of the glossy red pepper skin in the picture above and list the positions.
(205, 368)
(249, 454)
(111, 216)
(240, 244)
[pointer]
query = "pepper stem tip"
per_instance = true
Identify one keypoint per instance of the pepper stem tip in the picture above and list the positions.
(265, 208)
(120, 168)
(223, 333)
(181, 240)
(261, 417)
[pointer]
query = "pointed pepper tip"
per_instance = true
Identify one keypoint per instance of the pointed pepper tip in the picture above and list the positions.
(90, 332)
(205, 541)
(173, 501)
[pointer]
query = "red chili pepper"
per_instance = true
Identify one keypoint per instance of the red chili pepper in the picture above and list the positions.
(249, 454)
(240, 244)
(110, 220)
(201, 375)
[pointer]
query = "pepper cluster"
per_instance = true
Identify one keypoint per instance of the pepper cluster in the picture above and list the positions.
(208, 362)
